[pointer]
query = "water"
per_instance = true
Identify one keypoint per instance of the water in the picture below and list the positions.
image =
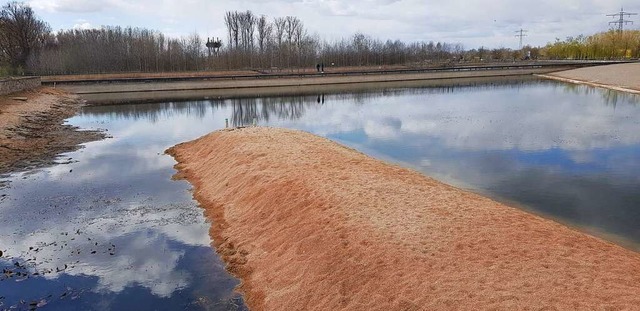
(567, 152)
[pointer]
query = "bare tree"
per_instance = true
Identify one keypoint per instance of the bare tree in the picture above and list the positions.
(231, 19)
(247, 27)
(264, 32)
(21, 33)
(280, 24)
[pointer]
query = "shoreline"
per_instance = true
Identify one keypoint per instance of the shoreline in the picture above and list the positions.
(32, 130)
(341, 230)
(121, 93)
(618, 77)
(590, 83)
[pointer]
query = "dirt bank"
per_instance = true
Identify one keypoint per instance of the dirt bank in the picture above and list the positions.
(620, 77)
(310, 225)
(32, 132)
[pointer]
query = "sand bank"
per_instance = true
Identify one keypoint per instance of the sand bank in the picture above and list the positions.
(32, 132)
(310, 225)
(619, 77)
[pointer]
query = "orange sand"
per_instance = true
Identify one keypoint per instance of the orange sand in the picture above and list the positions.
(310, 225)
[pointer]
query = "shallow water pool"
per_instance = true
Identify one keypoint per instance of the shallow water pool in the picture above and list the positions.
(108, 228)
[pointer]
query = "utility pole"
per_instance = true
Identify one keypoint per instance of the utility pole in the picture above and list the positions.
(621, 21)
(521, 33)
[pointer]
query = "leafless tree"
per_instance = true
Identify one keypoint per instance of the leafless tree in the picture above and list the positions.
(21, 33)
(233, 25)
(264, 32)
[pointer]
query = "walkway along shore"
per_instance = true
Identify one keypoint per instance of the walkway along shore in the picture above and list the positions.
(619, 77)
(308, 224)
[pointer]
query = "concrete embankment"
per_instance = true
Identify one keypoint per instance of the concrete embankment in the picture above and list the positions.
(619, 77)
(13, 85)
(308, 224)
(150, 91)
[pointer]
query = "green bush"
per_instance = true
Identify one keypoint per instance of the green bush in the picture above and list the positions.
(7, 71)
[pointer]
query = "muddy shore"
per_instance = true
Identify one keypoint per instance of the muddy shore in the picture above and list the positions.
(32, 132)
(308, 224)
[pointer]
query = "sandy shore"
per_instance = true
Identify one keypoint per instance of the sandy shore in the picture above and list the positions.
(32, 132)
(310, 225)
(620, 77)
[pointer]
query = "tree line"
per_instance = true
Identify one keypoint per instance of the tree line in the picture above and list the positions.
(605, 45)
(252, 42)
(116, 49)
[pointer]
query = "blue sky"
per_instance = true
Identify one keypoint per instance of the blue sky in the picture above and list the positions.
(473, 23)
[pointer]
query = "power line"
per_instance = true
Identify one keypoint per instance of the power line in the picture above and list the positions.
(621, 21)
(521, 33)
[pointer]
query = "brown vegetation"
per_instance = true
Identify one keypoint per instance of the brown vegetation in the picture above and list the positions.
(310, 225)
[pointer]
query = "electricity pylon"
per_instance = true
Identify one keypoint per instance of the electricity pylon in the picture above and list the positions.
(621, 21)
(521, 33)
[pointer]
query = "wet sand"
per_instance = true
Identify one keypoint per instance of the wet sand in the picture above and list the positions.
(619, 77)
(308, 224)
(32, 132)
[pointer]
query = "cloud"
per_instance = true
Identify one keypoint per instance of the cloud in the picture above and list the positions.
(474, 23)
(83, 25)
(72, 6)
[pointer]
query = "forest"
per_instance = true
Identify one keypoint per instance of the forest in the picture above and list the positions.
(28, 46)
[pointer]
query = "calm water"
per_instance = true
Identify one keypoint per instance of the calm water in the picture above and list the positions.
(108, 228)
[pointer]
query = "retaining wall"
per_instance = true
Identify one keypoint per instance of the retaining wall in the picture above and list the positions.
(12, 85)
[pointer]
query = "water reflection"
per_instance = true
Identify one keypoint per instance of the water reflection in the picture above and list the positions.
(110, 230)
(566, 151)
(284, 106)
(609, 97)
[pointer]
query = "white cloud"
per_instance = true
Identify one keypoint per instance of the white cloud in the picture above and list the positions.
(474, 23)
(83, 26)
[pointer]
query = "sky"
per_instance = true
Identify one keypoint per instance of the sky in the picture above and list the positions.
(472, 23)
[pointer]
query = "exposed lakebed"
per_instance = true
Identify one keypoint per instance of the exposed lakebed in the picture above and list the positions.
(108, 228)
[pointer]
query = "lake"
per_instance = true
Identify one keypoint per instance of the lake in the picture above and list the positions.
(108, 228)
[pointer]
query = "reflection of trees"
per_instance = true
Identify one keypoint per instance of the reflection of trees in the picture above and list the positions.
(291, 107)
(610, 97)
(151, 112)
(244, 110)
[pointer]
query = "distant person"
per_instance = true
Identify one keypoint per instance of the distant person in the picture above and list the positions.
(322, 67)
(318, 67)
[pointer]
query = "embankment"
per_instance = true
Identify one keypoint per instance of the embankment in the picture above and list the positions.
(13, 85)
(310, 225)
(96, 93)
(619, 77)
